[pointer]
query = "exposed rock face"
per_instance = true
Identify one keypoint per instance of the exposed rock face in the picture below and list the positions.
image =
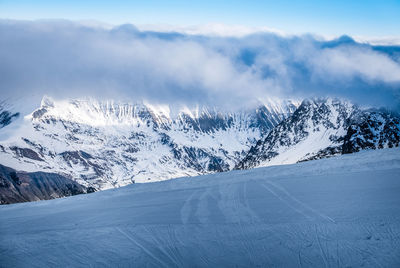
(322, 128)
(6, 117)
(26, 152)
(18, 187)
(373, 129)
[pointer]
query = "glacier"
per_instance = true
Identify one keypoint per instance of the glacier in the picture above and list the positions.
(334, 212)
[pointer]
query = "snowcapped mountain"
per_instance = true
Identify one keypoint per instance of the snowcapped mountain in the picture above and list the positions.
(322, 128)
(108, 144)
(105, 144)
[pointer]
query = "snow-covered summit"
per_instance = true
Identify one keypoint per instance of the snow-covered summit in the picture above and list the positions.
(93, 112)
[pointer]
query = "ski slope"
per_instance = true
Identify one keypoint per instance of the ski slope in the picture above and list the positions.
(336, 212)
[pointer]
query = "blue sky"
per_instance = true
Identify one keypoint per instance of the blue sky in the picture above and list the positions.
(325, 17)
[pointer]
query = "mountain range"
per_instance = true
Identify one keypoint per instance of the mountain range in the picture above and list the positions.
(322, 128)
(107, 144)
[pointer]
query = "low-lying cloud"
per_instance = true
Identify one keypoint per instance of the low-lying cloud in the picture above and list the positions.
(66, 59)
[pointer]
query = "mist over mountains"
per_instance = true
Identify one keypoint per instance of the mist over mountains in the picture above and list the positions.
(130, 105)
(68, 59)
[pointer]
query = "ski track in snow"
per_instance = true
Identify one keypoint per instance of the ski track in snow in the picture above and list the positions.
(293, 202)
(338, 212)
(148, 252)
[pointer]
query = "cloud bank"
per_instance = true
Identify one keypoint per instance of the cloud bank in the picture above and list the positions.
(67, 59)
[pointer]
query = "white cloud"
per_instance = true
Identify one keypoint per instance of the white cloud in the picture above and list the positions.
(347, 62)
(66, 59)
(211, 29)
(379, 41)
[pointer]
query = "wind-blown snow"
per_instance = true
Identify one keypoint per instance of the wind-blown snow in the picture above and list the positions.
(337, 212)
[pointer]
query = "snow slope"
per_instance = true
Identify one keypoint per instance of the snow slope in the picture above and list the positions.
(336, 212)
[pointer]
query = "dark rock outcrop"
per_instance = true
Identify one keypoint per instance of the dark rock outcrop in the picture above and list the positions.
(6, 117)
(16, 187)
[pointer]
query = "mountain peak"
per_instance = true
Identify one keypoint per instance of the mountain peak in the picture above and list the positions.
(323, 127)
(46, 102)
